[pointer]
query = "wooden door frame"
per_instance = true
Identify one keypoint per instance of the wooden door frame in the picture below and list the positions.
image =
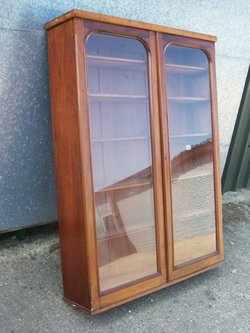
(136, 288)
(198, 264)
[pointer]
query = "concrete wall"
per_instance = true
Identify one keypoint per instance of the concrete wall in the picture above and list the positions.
(27, 193)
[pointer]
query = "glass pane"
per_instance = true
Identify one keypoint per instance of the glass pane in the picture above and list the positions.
(121, 159)
(191, 153)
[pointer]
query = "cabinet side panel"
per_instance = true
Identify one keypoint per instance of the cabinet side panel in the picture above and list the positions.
(218, 191)
(64, 105)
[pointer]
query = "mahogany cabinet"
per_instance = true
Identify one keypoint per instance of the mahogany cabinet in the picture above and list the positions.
(136, 156)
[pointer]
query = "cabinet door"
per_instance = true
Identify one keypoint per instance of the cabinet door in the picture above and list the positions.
(125, 156)
(191, 156)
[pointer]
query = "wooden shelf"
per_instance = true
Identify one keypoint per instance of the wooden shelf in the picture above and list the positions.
(134, 138)
(192, 248)
(187, 99)
(132, 230)
(113, 97)
(142, 183)
(116, 97)
(199, 175)
(195, 214)
(128, 268)
(113, 61)
(145, 138)
(184, 69)
(189, 135)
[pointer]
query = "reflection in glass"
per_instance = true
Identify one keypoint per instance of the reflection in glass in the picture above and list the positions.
(121, 159)
(191, 153)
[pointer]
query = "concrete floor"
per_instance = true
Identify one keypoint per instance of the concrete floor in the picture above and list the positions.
(216, 301)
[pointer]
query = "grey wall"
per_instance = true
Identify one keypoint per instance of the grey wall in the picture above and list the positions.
(26, 178)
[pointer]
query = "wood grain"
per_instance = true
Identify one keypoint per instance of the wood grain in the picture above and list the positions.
(68, 168)
(127, 23)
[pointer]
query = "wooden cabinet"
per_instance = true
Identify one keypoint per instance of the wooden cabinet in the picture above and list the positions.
(136, 156)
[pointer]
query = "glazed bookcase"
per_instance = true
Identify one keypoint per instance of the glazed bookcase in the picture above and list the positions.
(136, 156)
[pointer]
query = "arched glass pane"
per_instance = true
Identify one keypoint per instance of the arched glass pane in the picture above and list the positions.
(121, 159)
(191, 153)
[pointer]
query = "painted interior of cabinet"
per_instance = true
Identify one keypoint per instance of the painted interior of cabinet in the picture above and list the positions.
(118, 98)
(191, 153)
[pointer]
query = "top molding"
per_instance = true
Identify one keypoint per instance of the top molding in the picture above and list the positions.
(75, 13)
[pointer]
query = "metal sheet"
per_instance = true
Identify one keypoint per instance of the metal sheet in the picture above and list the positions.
(236, 171)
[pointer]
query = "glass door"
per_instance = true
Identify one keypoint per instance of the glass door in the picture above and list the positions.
(190, 149)
(121, 152)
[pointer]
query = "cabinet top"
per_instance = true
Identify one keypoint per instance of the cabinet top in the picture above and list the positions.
(75, 13)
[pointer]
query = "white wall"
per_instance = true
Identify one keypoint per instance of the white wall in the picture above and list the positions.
(26, 179)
